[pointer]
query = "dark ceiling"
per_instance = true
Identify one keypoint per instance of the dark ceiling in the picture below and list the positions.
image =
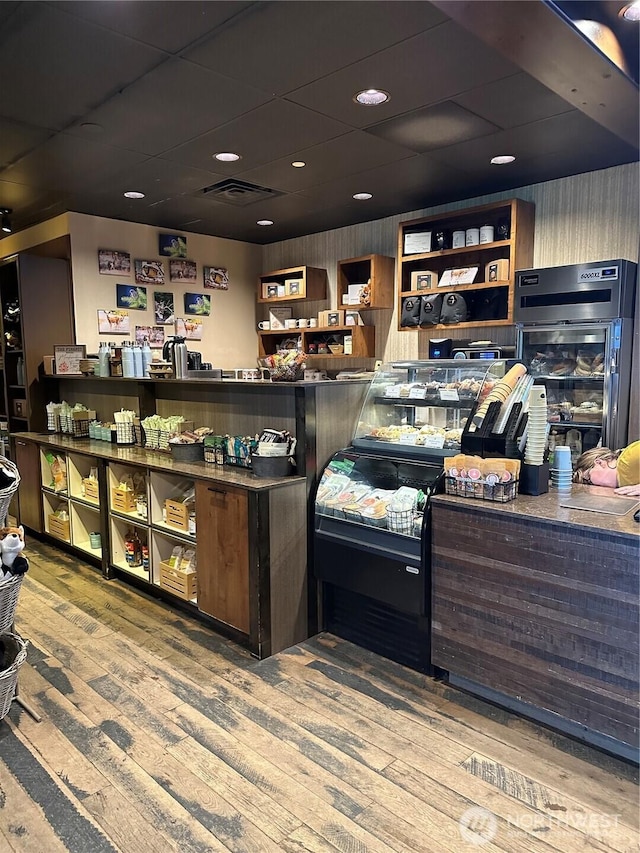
(97, 98)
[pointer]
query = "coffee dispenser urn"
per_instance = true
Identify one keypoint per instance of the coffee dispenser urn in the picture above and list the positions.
(175, 351)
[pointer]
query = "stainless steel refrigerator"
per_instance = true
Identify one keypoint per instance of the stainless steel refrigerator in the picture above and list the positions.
(575, 333)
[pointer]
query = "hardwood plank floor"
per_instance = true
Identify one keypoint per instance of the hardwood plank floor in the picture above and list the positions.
(159, 735)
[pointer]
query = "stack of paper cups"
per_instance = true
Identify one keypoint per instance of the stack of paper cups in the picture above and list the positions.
(562, 471)
(536, 426)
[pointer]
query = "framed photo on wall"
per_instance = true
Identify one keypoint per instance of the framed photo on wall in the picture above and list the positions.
(180, 270)
(172, 245)
(216, 278)
(197, 303)
(149, 272)
(163, 309)
(113, 321)
(111, 262)
(131, 296)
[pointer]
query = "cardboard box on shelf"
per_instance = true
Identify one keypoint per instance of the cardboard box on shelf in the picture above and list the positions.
(331, 318)
(497, 270)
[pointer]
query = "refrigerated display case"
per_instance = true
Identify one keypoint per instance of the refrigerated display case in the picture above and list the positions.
(372, 505)
(584, 359)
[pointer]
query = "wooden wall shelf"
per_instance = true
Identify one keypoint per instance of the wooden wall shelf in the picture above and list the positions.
(296, 284)
(375, 270)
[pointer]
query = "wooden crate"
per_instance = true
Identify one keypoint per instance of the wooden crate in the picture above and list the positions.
(122, 500)
(178, 582)
(91, 489)
(177, 514)
(59, 527)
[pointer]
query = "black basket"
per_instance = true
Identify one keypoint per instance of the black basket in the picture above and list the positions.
(464, 487)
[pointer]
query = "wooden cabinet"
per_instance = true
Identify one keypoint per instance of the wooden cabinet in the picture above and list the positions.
(27, 458)
(36, 311)
(292, 285)
(489, 296)
(223, 566)
(374, 273)
(362, 341)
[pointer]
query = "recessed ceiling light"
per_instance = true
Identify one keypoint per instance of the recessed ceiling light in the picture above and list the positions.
(298, 164)
(631, 12)
(502, 159)
(227, 156)
(371, 97)
(264, 222)
(362, 196)
(133, 194)
(91, 127)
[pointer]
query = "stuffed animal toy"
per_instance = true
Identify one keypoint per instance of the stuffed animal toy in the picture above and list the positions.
(11, 548)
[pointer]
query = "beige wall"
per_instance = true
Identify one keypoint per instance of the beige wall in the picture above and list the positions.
(584, 218)
(228, 336)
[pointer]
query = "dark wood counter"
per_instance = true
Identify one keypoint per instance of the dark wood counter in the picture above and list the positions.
(538, 606)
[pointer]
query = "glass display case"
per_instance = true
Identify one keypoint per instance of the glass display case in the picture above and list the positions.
(587, 383)
(418, 409)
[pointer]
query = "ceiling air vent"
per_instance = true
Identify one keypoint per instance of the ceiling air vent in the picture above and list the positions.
(238, 193)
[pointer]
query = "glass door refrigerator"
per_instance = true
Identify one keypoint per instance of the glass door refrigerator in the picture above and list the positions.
(575, 333)
(372, 506)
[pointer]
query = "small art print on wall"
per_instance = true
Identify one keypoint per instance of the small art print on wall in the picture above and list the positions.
(154, 335)
(113, 321)
(129, 296)
(149, 272)
(172, 246)
(163, 309)
(182, 270)
(216, 278)
(189, 328)
(197, 303)
(111, 262)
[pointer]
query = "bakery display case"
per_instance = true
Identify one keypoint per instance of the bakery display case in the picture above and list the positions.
(418, 409)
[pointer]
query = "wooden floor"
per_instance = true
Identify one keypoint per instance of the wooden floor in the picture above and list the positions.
(157, 736)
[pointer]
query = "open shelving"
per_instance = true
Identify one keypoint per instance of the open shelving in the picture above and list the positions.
(292, 285)
(373, 272)
(363, 340)
(489, 302)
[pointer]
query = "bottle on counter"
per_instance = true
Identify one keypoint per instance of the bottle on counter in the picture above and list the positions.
(103, 359)
(147, 357)
(127, 361)
(137, 360)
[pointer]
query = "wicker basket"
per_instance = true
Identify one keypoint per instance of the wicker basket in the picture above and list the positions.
(9, 676)
(8, 492)
(9, 592)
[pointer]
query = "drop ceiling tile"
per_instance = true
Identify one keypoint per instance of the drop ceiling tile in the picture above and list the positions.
(512, 101)
(568, 132)
(156, 178)
(173, 103)
(258, 137)
(178, 25)
(433, 127)
(67, 164)
(431, 67)
(284, 45)
(336, 158)
(56, 67)
(17, 139)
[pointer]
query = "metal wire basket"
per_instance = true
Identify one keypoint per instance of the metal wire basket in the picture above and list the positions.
(9, 592)
(16, 647)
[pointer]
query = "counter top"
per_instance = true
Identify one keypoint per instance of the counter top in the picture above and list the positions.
(216, 383)
(547, 508)
(155, 460)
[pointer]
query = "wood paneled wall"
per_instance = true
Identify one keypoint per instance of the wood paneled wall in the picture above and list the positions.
(589, 217)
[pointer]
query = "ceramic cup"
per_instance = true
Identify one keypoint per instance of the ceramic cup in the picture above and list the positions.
(303, 323)
(291, 324)
(313, 323)
(264, 325)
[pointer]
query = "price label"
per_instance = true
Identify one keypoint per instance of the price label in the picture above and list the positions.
(434, 441)
(392, 391)
(418, 393)
(449, 394)
(407, 438)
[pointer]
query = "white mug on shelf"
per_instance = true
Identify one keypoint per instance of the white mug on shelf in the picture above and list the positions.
(303, 323)
(264, 325)
(313, 322)
(290, 323)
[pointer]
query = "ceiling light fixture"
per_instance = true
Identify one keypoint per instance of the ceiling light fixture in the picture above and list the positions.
(502, 159)
(298, 164)
(372, 97)
(362, 196)
(264, 222)
(6, 222)
(227, 157)
(133, 194)
(631, 12)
